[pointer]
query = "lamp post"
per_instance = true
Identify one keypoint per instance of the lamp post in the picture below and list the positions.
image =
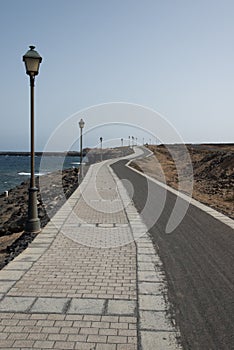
(101, 147)
(132, 141)
(122, 142)
(81, 126)
(129, 142)
(32, 61)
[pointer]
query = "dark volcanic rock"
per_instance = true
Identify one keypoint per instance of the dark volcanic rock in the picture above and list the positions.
(14, 209)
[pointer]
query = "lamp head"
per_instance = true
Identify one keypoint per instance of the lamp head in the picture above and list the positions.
(32, 61)
(81, 123)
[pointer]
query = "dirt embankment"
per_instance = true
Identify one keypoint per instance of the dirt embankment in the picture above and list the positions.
(213, 172)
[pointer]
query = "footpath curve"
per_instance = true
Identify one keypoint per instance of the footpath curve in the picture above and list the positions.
(90, 280)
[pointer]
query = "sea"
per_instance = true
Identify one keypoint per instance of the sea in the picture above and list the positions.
(15, 169)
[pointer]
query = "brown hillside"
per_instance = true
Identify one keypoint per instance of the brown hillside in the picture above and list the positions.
(213, 172)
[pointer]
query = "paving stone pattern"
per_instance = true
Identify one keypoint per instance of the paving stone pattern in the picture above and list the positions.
(90, 280)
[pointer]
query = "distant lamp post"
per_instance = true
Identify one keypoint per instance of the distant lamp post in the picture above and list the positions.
(81, 126)
(132, 141)
(129, 141)
(122, 152)
(101, 139)
(32, 61)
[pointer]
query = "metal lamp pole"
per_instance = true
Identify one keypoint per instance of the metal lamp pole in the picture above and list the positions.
(101, 147)
(32, 62)
(81, 125)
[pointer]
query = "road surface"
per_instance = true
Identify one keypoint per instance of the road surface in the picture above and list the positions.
(198, 261)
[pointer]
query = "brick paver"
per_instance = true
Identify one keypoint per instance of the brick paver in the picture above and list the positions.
(70, 270)
(75, 286)
(67, 333)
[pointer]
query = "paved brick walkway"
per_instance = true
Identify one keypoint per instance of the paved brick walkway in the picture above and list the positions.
(90, 280)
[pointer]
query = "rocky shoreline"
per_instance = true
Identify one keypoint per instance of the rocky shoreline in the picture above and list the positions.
(13, 212)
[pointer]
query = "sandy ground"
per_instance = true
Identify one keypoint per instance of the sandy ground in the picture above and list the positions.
(212, 172)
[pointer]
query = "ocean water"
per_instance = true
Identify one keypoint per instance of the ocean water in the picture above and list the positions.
(16, 169)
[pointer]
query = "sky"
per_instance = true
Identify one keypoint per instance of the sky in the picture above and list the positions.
(172, 56)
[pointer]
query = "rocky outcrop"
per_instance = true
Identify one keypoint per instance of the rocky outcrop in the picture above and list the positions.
(14, 208)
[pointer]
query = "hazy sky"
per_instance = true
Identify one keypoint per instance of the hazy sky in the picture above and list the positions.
(174, 56)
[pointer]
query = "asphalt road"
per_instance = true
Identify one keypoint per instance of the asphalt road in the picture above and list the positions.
(198, 260)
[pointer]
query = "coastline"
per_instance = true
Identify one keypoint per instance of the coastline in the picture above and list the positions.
(13, 212)
(38, 154)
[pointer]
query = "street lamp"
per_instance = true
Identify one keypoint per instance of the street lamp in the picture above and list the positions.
(32, 61)
(81, 125)
(122, 152)
(132, 141)
(129, 142)
(101, 147)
